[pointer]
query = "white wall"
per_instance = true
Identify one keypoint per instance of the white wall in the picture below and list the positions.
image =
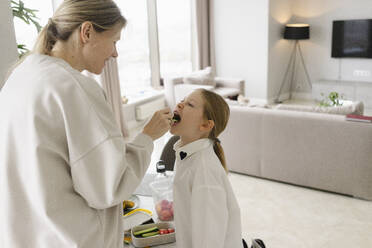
(241, 42)
(317, 51)
(280, 13)
(249, 43)
(8, 44)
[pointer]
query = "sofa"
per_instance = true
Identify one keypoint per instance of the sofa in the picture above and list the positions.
(175, 89)
(316, 150)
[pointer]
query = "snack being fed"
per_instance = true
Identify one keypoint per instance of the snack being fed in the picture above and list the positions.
(176, 118)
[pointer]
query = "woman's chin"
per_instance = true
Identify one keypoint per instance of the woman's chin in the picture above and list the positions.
(96, 71)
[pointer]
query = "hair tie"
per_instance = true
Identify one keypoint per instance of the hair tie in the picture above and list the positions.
(217, 140)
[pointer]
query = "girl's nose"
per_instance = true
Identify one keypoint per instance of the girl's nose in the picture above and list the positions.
(180, 105)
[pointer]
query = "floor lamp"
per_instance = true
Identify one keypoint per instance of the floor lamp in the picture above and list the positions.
(294, 32)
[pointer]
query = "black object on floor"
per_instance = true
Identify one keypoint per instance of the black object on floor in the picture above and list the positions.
(245, 244)
(258, 243)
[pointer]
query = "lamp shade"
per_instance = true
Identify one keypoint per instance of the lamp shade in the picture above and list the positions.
(297, 31)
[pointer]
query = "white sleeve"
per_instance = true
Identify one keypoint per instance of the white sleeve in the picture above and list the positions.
(104, 170)
(111, 171)
(209, 217)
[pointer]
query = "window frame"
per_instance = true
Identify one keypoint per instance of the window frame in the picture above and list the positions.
(153, 35)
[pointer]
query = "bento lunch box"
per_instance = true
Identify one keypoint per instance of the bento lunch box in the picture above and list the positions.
(153, 240)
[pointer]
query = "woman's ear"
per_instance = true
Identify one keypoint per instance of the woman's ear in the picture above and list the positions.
(207, 125)
(86, 30)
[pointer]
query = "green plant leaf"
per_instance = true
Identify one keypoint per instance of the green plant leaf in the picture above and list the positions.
(22, 50)
(25, 14)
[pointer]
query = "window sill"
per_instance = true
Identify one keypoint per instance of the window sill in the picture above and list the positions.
(143, 96)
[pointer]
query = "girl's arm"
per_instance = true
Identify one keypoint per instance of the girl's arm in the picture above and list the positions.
(209, 217)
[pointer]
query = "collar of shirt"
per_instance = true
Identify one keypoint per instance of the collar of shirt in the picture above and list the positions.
(191, 148)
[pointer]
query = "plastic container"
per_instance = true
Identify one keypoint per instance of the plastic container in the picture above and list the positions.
(161, 173)
(153, 240)
(162, 193)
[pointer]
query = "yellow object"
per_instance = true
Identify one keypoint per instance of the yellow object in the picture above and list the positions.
(128, 204)
(138, 210)
(136, 217)
(128, 239)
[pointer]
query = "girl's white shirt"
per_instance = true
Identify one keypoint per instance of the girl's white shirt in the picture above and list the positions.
(206, 212)
(64, 166)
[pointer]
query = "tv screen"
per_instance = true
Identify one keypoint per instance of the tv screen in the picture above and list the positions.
(352, 38)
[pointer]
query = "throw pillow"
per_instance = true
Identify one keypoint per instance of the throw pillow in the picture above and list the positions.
(202, 77)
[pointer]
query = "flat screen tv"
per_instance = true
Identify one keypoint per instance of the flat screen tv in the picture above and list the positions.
(352, 38)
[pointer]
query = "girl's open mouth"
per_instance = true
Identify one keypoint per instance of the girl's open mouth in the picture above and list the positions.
(176, 119)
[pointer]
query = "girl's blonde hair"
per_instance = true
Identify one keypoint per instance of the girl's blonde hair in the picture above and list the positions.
(216, 109)
(103, 14)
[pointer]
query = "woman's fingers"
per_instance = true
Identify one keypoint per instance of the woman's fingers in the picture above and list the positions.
(159, 123)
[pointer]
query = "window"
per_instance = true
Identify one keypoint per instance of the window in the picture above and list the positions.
(27, 34)
(174, 25)
(133, 48)
(155, 43)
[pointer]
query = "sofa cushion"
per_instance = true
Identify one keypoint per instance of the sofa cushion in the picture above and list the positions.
(347, 108)
(225, 92)
(183, 90)
(201, 77)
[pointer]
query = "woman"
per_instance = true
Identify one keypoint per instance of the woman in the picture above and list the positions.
(206, 212)
(64, 167)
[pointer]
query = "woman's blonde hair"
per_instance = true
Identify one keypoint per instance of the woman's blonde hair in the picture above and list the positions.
(216, 109)
(103, 14)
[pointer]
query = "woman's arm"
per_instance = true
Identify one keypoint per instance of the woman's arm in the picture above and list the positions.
(111, 171)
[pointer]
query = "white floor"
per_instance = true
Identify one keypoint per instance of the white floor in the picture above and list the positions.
(284, 215)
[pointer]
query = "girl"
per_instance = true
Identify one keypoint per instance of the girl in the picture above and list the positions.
(64, 166)
(206, 212)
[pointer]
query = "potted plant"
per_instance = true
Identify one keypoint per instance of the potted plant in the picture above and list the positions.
(28, 16)
(333, 99)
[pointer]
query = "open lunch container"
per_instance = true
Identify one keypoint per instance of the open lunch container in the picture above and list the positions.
(158, 239)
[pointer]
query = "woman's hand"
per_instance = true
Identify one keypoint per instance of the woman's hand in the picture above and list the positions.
(159, 124)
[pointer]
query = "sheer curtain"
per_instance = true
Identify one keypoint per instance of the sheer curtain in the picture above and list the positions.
(111, 85)
(202, 33)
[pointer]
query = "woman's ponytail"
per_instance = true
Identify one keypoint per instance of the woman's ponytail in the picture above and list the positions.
(47, 38)
(43, 45)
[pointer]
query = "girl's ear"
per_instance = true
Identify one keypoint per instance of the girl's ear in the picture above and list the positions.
(207, 125)
(86, 32)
